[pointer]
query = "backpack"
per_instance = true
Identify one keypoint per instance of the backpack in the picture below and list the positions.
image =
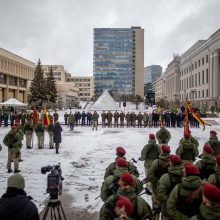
(162, 168)
(188, 151)
(206, 170)
(174, 180)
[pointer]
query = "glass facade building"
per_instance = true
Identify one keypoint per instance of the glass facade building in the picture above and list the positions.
(113, 60)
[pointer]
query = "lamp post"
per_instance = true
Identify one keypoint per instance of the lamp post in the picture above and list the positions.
(48, 100)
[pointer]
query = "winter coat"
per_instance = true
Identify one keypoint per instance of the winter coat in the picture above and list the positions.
(110, 184)
(185, 199)
(116, 116)
(206, 166)
(208, 213)
(112, 166)
(187, 150)
(57, 133)
(141, 207)
(149, 153)
(163, 136)
(157, 169)
(72, 119)
(215, 144)
(192, 139)
(28, 128)
(95, 117)
(16, 205)
(215, 178)
(11, 139)
(122, 116)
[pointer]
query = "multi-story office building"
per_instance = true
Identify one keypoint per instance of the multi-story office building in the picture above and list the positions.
(59, 73)
(85, 86)
(118, 60)
(152, 73)
(200, 72)
(15, 72)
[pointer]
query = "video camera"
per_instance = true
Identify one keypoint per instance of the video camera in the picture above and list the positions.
(54, 180)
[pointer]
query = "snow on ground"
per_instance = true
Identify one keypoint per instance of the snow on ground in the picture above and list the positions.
(84, 155)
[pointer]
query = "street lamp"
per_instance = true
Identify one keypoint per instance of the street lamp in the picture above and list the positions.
(48, 100)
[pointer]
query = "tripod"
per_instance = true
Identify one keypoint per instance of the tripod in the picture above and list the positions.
(54, 205)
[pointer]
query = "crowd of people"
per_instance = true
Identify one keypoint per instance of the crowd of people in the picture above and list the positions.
(180, 188)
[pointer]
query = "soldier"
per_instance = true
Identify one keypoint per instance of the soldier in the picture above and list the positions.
(163, 136)
(66, 118)
(55, 116)
(122, 118)
(150, 122)
(110, 184)
(19, 131)
(139, 119)
(50, 130)
(89, 118)
(12, 141)
(168, 181)
(116, 116)
(39, 130)
(72, 120)
(133, 119)
(28, 132)
(95, 118)
(128, 119)
(109, 119)
(83, 118)
(120, 152)
(126, 188)
(187, 150)
(186, 197)
(210, 209)
(192, 139)
(215, 178)
(149, 153)
(145, 119)
(15, 204)
(214, 142)
(103, 115)
(206, 165)
(156, 170)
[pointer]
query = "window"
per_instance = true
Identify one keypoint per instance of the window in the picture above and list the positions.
(202, 93)
(203, 61)
(199, 63)
(207, 93)
(207, 76)
(199, 79)
(203, 77)
(199, 94)
(195, 65)
(192, 66)
(196, 80)
(207, 58)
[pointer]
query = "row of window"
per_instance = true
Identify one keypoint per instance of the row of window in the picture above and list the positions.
(195, 80)
(83, 84)
(195, 65)
(196, 94)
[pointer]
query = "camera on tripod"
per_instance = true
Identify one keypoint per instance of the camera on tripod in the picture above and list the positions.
(54, 180)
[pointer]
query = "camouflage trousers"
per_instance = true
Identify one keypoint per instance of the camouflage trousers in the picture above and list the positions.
(28, 139)
(40, 141)
(94, 125)
(13, 154)
(51, 139)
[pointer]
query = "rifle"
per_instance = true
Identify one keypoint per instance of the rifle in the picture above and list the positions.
(156, 211)
(133, 160)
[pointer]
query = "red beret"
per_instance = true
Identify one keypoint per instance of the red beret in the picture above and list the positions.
(121, 151)
(175, 159)
(208, 149)
(191, 169)
(151, 136)
(211, 192)
(186, 135)
(213, 132)
(128, 179)
(218, 160)
(165, 148)
(14, 127)
(121, 162)
(126, 203)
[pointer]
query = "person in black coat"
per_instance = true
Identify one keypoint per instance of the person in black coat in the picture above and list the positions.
(57, 136)
(15, 204)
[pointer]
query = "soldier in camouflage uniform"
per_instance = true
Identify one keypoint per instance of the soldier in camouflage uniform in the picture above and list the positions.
(139, 119)
(150, 152)
(128, 119)
(206, 165)
(133, 119)
(12, 141)
(122, 118)
(168, 181)
(186, 197)
(40, 130)
(50, 130)
(116, 116)
(103, 115)
(110, 184)
(120, 152)
(19, 130)
(192, 139)
(214, 142)
(163, 136)
(187, 150)
(145, 119)
(126, 188)
(109, 119)
(28, 132)
(215, 178)
(210, 209)
(95, 118)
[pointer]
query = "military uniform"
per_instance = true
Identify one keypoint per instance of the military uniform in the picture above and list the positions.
(95, 118)
(72, 120)
(28, 131)
(116, 116)
(215, 178)
(139, 119)
(163, 136)
(39, 130)
(109, 119)
(50, 130)
(215, 144)
(128, 119)
(55, 116)
(103, 115)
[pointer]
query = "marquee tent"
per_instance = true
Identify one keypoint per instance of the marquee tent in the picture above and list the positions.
(13, 102)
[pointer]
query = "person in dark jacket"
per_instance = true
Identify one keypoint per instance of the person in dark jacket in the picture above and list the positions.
(15, 204)
(214, 142)
(57, 135)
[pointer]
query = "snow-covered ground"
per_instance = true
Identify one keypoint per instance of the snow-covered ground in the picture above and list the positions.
(84, 155)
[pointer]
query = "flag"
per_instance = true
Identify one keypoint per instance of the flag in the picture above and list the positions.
(35, 116)
(46, 118)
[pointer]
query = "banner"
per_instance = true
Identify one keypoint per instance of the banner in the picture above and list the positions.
(35, 116)
(46, 118)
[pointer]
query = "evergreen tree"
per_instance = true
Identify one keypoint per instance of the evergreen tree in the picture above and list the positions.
(38, 88)
(51, 87)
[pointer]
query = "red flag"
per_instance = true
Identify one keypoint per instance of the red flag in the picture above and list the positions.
(35, 118)
(46, 118)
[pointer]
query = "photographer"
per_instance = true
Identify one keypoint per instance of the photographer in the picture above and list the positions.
(15, 204)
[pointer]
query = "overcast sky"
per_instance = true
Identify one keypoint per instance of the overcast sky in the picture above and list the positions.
(61, 31)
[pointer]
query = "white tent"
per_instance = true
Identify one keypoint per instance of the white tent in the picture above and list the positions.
(13, 102)
(105, 102)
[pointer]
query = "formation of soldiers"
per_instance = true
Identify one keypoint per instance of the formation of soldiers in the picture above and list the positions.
(24, 126)
(181, 189)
